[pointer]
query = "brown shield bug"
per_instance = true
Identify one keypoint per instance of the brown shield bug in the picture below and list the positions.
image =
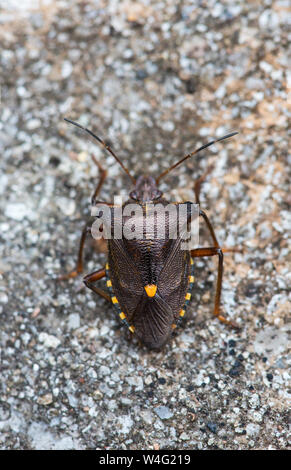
(149, 279)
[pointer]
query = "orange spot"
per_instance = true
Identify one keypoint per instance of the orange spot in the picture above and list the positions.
(151, 290)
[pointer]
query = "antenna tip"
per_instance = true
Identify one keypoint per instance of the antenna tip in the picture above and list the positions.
(227, 136)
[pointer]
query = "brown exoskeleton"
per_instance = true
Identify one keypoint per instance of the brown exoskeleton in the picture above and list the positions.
(149, 280)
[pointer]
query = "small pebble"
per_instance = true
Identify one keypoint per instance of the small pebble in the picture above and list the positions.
(74, 321)
(49, 341)
(163, 412)
(46, 399)
(67, 69)
(212, 427)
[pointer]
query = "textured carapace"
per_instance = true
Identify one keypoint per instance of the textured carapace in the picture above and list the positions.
(149, 278)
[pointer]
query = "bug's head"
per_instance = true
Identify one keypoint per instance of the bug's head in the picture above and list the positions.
(146, 189)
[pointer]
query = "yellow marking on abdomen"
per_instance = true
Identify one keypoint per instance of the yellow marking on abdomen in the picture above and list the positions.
(151, 290)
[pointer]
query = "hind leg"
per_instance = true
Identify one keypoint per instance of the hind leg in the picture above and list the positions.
(215, 251)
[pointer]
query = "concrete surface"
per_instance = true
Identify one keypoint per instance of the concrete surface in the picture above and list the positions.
(156, 79)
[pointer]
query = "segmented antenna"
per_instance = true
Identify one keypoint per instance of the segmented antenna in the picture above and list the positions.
(104, 145)
(193, 153)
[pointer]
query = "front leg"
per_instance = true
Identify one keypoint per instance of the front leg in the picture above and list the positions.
(87, 228)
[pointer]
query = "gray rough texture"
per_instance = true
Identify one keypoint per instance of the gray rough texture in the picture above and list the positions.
(156, 79)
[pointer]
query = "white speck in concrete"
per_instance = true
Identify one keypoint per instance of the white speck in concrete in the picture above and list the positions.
(163, 412)
(73, 321)
(49, 341)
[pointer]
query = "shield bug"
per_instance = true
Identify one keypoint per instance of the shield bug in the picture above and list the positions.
(149, 279)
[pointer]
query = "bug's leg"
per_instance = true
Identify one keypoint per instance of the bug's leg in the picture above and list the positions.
(79, 266)
(213, 236)
(215, 251)
(197, 188)
(210, 228)
(103, 174)
(93, 277)
(87, 228)
(197, 184)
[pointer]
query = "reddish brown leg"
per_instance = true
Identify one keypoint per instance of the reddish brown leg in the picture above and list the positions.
(213, 236)
(79, 267)
(210, 228)
(197, 189)
(103, 174)
(215, 251)
(197, 185)
(205, 217)
(93, 277)
(87, 228)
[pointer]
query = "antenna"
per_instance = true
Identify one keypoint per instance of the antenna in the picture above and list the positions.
(104, 145)
(193, 153)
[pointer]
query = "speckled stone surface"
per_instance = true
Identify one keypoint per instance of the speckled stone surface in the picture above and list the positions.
(156, 79)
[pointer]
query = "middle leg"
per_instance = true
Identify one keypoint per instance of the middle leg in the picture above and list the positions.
(90, 279)
(79, 267)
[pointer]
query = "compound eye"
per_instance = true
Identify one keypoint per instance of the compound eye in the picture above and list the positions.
(133, 195)
(158, 194)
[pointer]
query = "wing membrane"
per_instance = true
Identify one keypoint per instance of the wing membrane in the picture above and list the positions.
(153, 320)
